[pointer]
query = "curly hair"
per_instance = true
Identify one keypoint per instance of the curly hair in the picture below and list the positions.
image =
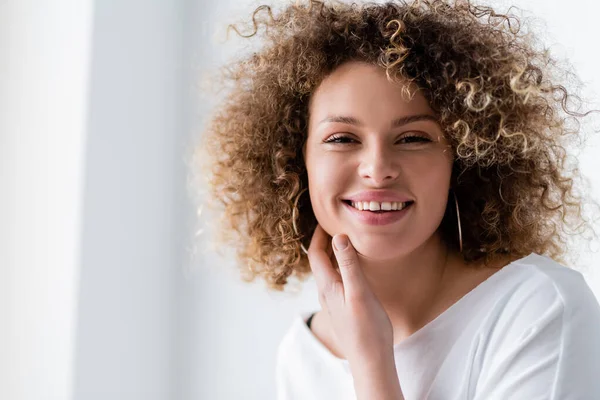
(496, 95)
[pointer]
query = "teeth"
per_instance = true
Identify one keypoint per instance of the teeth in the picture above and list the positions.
(376, 206)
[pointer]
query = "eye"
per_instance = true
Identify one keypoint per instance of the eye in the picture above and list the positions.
(338, 139)
(415, 139)
(412, 138)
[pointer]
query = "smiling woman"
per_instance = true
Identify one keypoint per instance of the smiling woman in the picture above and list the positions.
(412, 157)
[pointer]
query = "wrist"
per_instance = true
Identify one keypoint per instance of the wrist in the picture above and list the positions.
(373, 359)
(376, 377)
(374, 367)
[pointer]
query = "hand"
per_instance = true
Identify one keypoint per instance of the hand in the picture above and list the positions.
(359, 321)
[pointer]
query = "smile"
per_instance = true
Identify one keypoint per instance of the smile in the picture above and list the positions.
(379, 206)
(374, 216)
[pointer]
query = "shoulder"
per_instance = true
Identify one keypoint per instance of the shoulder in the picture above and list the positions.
(291, 336)
(544, 322)
(535, 294)
(541, 283)
(284, 371)
(293, 343)
(543, 304)
(299, 363)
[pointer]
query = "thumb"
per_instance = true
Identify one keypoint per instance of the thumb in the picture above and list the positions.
(352, 275)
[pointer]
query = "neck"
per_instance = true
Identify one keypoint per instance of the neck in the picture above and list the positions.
(409, 287)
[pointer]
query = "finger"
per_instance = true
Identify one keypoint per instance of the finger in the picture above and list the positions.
(320, 263)
(331, 255)
(353, 278)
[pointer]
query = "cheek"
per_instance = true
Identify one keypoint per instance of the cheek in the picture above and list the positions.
(325, 173)
(431, 180)
(327, 182)
(325, 186)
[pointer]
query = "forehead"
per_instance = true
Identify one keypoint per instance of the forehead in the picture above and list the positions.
(362, 91)
(357, 87)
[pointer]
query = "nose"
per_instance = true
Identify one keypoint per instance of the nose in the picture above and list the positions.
(378, 164)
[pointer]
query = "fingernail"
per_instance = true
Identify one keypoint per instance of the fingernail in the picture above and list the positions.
(340, 242)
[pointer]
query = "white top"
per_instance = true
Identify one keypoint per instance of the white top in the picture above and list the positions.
(530, 331)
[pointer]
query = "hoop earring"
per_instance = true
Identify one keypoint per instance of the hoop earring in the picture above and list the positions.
(460, 241)
(294, 216)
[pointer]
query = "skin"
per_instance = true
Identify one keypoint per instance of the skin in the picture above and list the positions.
(391, 280)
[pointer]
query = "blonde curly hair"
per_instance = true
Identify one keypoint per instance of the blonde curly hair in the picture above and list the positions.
(496, 96)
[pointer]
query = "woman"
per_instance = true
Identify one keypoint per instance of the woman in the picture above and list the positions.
(411, 156)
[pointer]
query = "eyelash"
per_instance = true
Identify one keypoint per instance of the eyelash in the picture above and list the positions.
(334, 138)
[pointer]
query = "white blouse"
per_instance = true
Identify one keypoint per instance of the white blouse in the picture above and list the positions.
(531, 331)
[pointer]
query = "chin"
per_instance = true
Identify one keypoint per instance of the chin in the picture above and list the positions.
(378, 249)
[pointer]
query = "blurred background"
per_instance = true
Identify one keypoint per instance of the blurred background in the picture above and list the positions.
(105, 290)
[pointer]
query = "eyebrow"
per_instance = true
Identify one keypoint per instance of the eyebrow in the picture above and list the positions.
(395, 123)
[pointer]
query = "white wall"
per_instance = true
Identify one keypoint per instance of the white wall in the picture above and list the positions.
(233, 328)
(44, 64)
(134, 196)
(91, 217)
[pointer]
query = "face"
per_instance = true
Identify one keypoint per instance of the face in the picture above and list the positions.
(367, 151)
